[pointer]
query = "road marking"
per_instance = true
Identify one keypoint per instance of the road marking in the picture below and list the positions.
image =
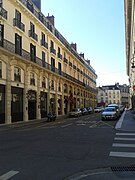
(123, 154)
(122, 145)
(124, 139)
(8, 175)
(125, 134)
(66, 125)
(119, 123)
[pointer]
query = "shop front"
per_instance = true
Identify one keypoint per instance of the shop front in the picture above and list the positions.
(17, 104)
(43, 104)
(32, 103)
(2, 104)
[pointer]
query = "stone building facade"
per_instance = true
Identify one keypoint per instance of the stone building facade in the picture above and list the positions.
(39, 70)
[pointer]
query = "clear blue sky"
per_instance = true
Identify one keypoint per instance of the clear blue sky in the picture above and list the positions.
(98, 28)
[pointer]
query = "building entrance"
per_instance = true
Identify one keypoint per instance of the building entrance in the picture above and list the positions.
(2, 104)
(17, 104)
(32, 104)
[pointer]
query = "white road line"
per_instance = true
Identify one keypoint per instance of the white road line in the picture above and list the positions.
(122, 145)
(124, 139)
(119, 123)
(66, 125)
(123, 154)
(125, 134)
(8, 175)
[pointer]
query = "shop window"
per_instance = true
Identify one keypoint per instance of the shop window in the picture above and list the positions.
(32, 79)
(0, 69)
(17, 74)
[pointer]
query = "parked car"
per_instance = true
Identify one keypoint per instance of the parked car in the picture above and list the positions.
(98, 109)
(109, 113)
(117, 108)
(84, 111)
(89, 109)
(75, 112)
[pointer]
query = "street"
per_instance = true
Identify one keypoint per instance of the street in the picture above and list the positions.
(60, 149)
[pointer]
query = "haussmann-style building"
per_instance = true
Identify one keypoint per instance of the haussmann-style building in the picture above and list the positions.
(39, 70)
(129, 11)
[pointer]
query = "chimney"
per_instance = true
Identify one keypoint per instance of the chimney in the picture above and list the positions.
(88, 61)
(51, 19)
(82, 55)
(74, 46)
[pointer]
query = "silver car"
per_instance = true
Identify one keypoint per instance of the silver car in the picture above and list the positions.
(109, 113)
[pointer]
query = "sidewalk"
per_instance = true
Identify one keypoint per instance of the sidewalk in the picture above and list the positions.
(126, 121)
(34, 121)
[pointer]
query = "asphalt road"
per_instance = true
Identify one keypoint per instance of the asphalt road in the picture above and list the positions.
(58, 150)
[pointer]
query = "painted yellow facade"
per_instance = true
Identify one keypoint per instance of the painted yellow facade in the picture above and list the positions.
(39, 70)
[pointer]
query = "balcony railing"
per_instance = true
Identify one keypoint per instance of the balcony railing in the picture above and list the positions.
(26, 55)
(33, 35)
(18, 24)
(59, 56)
(45, 44)
(52, 50)
(3, 12)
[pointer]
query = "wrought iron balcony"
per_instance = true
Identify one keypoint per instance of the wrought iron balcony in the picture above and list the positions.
(52, 50)
(26, 56)
(18, 24)
(43, 43)
(3, 12)
(33, 35)
(59, 56)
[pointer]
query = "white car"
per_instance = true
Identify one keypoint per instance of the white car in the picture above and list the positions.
(98, 109)
(109, 113)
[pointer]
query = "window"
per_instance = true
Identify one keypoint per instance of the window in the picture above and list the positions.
(43, 83)
(1, 34)
(52, 84)
(17, 74)
(43, 56)
(65, 88)
(32, 27)
(32, 52)
(0, 69)
(18, 44)
(32, 79)
(43, 41)
(59, 67)
(43, 37)
(52, 44)
(59, 87)
(52, 64)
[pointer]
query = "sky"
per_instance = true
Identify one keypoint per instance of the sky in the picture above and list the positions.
(98, 28)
